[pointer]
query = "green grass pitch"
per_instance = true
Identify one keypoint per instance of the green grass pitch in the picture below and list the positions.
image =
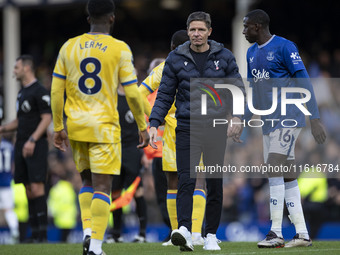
(230, 248)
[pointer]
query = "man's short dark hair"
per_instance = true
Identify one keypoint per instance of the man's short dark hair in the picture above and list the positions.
(27, 60)
(99, 8)
(258, 16)
(179, 37)
(199, 16)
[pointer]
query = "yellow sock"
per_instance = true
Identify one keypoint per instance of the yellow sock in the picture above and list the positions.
(171, 205)
(85, 200)
(198, 210)
(100, 214)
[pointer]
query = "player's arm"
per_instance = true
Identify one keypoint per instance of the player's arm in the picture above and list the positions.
(135, 102)
(317, 128)
(57, 105)
(165, 98)
(128, 79)
(296, 67)
(58, 89)
(303, 81)
(145, 92)
(42, 99)
(233, 74)
(149, 85)
(57, 102)
(29, 146)
(46, 119)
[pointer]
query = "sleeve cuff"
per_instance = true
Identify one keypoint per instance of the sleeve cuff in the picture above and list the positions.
(154, 123)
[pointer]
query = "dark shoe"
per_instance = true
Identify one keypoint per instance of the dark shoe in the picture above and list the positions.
(271, 241)
(86, 244)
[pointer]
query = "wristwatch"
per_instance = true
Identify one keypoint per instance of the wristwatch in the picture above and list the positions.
(31, 139)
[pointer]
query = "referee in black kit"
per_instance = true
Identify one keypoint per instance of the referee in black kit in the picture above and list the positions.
(31, 147)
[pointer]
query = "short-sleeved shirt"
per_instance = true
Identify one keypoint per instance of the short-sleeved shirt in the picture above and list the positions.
(32, 101)
(93, 64)
(273, 64)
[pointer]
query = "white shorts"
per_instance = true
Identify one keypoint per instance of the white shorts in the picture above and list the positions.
(281, 141)
(6, 198)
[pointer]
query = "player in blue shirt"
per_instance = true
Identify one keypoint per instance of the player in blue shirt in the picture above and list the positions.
(274, 64)
(6, 193)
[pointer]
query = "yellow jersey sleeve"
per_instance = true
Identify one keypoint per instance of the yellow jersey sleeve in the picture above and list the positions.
(151, 84)
(57, 103)
(127, 74)
(58, 90)
(145, 92)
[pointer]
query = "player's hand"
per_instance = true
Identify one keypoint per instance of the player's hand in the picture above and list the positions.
(143, 139)
(153, 137)
(235, 130)
(318, 131)
(60, 139)
(28, 149)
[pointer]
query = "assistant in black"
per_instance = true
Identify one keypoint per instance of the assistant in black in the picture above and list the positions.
(31, 147)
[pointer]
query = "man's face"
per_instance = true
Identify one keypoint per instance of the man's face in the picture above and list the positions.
(250, 30)
(198, 33)
(19, 70)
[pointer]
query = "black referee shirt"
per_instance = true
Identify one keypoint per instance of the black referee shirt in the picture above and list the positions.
(32, 101)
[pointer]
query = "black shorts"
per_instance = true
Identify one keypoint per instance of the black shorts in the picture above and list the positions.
(130, 169)
(34, 168)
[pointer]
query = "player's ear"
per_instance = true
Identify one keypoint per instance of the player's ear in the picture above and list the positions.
(89, 19)
(112, 18)
(209, 31)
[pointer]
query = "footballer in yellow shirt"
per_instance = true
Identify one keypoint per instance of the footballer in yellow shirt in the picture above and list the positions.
(88, 70)
(148, 86)
(92, 66)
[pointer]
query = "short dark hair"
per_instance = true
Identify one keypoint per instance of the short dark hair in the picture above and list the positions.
(179, 37)
(99, 8)
(27, 60)
(199, 16)
(258, 16)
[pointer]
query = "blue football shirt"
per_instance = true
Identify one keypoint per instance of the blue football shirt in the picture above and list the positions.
(271, 65)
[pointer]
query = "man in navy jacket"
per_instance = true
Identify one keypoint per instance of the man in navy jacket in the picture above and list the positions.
(195, 133)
